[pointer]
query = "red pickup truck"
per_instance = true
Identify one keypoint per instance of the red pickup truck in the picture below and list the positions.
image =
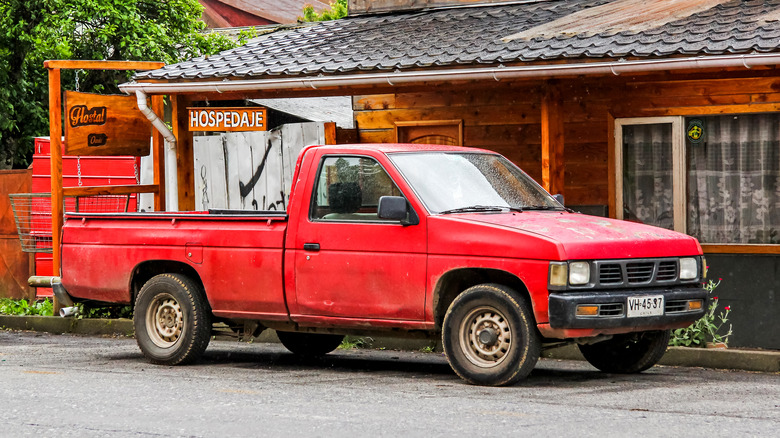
(403, 240)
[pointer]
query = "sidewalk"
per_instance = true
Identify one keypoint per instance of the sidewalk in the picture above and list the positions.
(730, 359)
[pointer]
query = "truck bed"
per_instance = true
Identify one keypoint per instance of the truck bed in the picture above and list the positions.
(237, 256)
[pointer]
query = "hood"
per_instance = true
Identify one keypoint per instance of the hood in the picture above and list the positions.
(559, 235)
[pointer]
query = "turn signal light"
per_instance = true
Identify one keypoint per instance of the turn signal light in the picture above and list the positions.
(587, 310)
(694, 305)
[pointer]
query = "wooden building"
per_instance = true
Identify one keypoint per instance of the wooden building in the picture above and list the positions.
(660, 111)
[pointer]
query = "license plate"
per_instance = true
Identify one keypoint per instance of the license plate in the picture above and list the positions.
(648, 305)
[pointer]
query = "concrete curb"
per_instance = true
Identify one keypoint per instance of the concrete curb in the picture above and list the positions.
(767, 361)
(55, 324)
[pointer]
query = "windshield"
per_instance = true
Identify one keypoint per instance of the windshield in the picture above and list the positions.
(449, 182)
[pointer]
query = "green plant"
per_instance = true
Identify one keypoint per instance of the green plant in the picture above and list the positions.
(22, 307)
(111, 312)
(428, 349)
(351, 342)
(707, 328)
(338, 9)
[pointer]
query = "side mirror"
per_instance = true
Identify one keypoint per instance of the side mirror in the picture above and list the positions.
(396, 208)
(558, 197)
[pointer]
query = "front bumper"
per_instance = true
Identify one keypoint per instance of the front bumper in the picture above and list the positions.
(563, 309)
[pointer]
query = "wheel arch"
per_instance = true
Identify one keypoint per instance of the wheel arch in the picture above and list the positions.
(452, 283)
(144, 271)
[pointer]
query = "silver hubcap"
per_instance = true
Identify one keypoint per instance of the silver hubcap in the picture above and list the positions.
(164, 321)
(485, 337)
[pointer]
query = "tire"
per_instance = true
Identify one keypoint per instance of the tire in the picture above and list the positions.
(627, 353)
(489, 336)
(309, 344)
(172, 320)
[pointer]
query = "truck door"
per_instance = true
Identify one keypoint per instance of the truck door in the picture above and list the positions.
(348, 262)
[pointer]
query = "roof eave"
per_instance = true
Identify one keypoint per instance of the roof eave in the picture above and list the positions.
(496, 73)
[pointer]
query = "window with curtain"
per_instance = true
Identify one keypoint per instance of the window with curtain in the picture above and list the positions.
(733, 179)
(647, 174)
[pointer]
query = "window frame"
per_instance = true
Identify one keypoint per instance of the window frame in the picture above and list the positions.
(313, 200)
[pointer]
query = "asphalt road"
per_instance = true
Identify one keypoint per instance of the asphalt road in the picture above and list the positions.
(64, 385)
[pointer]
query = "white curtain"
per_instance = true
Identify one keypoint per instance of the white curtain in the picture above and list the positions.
(734, 180)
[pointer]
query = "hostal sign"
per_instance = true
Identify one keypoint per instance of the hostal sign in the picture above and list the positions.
(97, 124)
(227, 119)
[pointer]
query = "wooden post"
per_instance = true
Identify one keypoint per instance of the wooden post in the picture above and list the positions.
(185, 156)
(55, 134)
(553, 169)
(611, 166)
(158, 156)
(55, 154)
(330, 133)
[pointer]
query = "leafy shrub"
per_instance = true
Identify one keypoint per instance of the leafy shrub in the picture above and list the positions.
(22, 307)
(707, 328)
(45, 307)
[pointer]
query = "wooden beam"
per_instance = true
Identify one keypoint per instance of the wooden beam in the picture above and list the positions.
(108, 190)
(185, 157)
(739, 249)
(101, 65)
(553, 169)
(158, 156)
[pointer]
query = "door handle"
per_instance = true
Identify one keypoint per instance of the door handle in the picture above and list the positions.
(311, 246)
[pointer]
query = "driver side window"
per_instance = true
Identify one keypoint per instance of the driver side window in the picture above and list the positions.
(349, 188)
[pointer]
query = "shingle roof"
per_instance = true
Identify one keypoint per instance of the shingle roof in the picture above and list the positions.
(472, 36)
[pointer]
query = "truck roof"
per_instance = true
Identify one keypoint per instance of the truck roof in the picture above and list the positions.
(403, 147)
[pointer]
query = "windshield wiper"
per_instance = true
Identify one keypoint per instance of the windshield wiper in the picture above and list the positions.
(545, 207)
(480, 208)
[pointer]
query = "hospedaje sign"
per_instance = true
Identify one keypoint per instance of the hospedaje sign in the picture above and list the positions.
(227, 119)
(106, 125)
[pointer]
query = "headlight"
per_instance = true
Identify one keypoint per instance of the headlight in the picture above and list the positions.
(689, 268)
(579, 273)
(558, 273)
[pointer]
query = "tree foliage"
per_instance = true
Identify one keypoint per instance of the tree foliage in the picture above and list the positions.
(338, 9)
(32, 31)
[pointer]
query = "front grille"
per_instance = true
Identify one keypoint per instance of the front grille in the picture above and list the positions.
(610, 274)
(614, 309)
(633, 272)
(676, 306)
(667, 271)
(639, 272)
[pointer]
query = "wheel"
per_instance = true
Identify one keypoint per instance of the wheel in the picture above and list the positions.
(489, 336)
(309, 344)
(627, 353)
(172, 320)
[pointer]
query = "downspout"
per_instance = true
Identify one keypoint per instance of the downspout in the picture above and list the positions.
(171, 181)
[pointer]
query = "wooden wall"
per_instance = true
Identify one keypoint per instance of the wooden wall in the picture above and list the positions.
(505, 116)
(15, 265)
